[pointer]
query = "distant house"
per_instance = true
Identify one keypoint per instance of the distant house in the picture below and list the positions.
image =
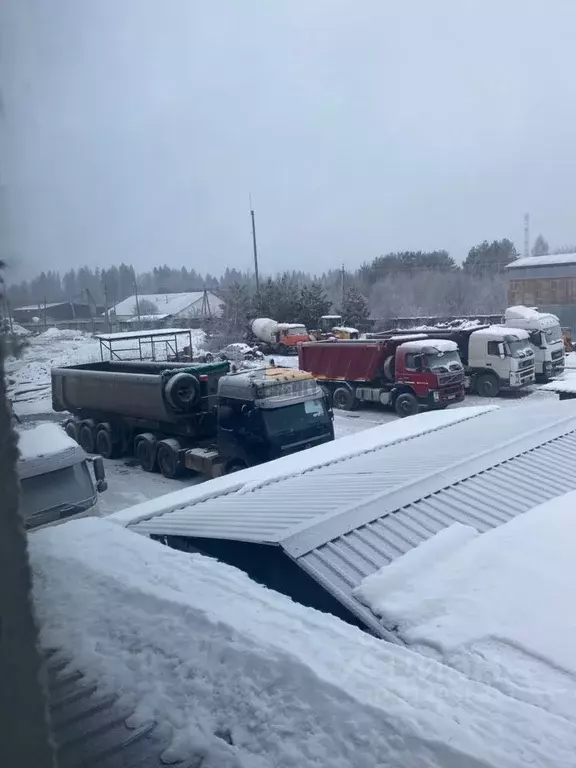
(548, 282)
(55, 312)
(164, 307)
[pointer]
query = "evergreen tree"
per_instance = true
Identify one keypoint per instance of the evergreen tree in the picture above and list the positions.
(355, 309)
(313, 303)
(540, 247)
(490, 258)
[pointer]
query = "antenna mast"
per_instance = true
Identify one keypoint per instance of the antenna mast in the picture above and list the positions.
(526, 234)
(254, 247)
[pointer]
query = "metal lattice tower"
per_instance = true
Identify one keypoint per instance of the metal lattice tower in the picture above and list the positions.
(526, 234)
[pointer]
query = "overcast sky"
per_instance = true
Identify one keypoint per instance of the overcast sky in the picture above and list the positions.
(136, 129)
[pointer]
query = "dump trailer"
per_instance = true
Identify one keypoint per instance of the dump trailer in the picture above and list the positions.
(175, 417)
(278, 338)
(404, 373)
(495, 357)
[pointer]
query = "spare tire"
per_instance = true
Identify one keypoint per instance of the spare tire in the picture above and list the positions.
(389, 368)
(182, 391)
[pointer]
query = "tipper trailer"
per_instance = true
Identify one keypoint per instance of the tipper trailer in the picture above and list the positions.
(404, 373)
(177, 416)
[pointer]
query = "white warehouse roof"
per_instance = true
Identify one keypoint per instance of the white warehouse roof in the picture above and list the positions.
(549, 259)
(166, 303)
(343, 521)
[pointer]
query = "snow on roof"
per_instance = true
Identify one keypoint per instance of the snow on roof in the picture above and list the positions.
(166, 303)
(503, 330)
(238, 675)
(497, 605)
(442, 345)
(544, 261)
(41, 306)
(408, 337)
(342, 521)
(296, 464)
(521, 313)
(146, 318)
(46, 448)
(145, 333)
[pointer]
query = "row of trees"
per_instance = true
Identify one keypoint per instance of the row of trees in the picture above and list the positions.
(400, 283)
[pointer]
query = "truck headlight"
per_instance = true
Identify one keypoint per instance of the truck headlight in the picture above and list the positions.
(436, 396)
(547, 367)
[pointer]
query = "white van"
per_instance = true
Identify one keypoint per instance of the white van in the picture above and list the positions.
(57, 484)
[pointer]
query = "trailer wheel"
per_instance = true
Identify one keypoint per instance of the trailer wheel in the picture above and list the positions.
(71, 429)
(168, 457)
(145, 451)
(105, 445)
(406, 405)
(87, 437)
(487, 385)
(182, 391)
(345, 399)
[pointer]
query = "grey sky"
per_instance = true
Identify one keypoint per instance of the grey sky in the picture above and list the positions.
(137, 128)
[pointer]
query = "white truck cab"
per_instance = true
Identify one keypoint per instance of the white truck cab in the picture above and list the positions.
(502, 354)
(56, 481)
(545, 336)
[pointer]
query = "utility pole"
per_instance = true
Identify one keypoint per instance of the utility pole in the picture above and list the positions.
(137, 302)
(526, 234)
(343, 271)
(255, 248)
(106, 315)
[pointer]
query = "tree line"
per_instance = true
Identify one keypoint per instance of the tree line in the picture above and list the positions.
(404, 283)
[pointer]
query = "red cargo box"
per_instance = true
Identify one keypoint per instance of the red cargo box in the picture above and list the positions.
(345, 360)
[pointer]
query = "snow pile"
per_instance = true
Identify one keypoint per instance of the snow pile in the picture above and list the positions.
(566, 384)
(18, 330)
(499, 608)
(352, 445)
(29, 384)
(43, 440)
(288, 686)
(522, 313)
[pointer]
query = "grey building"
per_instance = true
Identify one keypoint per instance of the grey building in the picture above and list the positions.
(547, 282)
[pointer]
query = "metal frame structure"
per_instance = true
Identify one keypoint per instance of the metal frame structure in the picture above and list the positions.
(146, 341)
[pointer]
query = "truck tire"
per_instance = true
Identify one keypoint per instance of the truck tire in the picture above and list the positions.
(182, 391)
(169, 458)
(145, 451)
(406, 405)
(87, 437)
(105, 445)
(487, 385)
(71, 429)
(389, 368)
(345, 399)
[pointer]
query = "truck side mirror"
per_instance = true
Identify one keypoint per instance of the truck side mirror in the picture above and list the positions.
(501, 351)
(99, 474)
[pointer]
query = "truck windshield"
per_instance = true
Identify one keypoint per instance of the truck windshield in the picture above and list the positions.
(298, 330)
(553, 334)
(56, 495)
(444, 362)
(293, 418)
(517, 347)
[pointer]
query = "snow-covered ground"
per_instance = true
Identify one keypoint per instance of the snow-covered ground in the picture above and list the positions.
(496, 606)
(29, 388)
(244, 678)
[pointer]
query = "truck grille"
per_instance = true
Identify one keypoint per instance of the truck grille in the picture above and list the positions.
(526, 364)
(446, 379)
(558, 354)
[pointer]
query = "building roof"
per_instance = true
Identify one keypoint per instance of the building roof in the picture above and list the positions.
(166, 303)
(345, 520)
(543, 261)
(41, 305)
(145, 334)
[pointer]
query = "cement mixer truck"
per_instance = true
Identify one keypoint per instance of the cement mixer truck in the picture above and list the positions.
(278, 338)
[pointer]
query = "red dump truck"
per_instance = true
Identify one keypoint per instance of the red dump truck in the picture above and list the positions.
(405, 373)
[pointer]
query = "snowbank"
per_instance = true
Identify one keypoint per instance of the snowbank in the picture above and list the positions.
(290, 686)
(249, 479)
(499, 607)
(566, 384)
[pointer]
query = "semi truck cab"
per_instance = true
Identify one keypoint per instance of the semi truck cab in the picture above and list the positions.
(433, 369)
(545, 337)
(268, 413)
(58, 480)
(502, 353)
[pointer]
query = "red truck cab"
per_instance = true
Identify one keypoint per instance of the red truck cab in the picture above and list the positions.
(405, 373)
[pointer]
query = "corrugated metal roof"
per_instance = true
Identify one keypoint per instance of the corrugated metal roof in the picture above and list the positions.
(548, 259)
(344, 521)
(330, 499)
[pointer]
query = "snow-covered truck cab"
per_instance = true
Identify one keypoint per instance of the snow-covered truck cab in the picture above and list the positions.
(57, 484)
(268, 413)
(433, 369)
(545, 336)
(502, 356)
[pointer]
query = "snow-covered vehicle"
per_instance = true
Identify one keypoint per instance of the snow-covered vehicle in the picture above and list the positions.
(238, 352)
(55, 478)
(545, 336)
